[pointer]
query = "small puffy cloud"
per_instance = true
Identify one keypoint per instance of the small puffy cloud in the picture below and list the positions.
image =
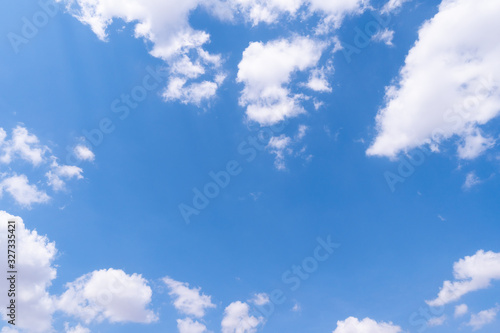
(436, 321)
(195, 93)
(22, 145)
(448, 86)
(260, 299)
(471, 180)
(59, 173)
(392, 5)
(318, 82)
(36, 272)
(471, 273)
(190, 326)
(238, 320)
(189, 301)
(24, 193)
(367, 325)
(108, 294)
(384, 36)
(479, 320)
(83, 153)
(76, 329)
(460, 310)
(265, 70)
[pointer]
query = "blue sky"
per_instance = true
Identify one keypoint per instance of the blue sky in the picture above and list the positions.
(382, 143)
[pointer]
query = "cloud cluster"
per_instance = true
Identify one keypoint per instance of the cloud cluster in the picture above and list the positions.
(101, 295)
(25, 147)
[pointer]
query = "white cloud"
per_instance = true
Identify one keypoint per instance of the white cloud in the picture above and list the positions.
(471, 180)
(260, 299)
(392, 5)
(265, 70)
(471, 273)
(449, 85)
(436, 321)
(335, 11)
(76, 329)
(83, 153)
(302, 132)
(270, 11)
(108, 294)
(384, 36)
(478, 321)
(278, 145)
(267, 11)
(24, 193)
(22, 145)
(238, 320)
(318, 82)
(367, 325)
(195, 93)
(461, 310)
(59, 173)
(7, 329)
(474, 144)
(36, 271)
(166, 25)
(188, 301)
(190, 326)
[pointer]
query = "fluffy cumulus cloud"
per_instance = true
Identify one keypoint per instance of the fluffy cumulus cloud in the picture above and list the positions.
(471, 273)
(449, 84)
(22, 145)
(35, 263)
(24, 193)
(83, 153)
(260, 299)
(367, 325)
(266, 69)
(59, 173)
(479, 320)
(189, 325)
(108, 294)
(189, 301)
(238, 320)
